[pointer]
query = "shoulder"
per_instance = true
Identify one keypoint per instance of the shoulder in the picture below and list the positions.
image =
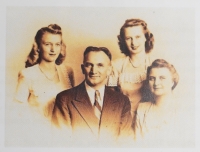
(117, 64)
(143, 107)
(69, 69)
(70, 93)
(118, 96)
(113, 92)
(150, 57)
(28, 72)
(119, 61)
(65, 67)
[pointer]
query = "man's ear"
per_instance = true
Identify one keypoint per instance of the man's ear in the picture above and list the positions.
(82, 68)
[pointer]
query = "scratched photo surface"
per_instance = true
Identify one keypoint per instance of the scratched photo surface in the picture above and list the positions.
(174, 34)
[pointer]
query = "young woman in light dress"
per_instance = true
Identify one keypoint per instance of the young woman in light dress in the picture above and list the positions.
(45, 75)
(158, 115)
(129, 72)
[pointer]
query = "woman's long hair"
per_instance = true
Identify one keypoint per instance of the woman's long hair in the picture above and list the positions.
(34, 56)
(148, 35)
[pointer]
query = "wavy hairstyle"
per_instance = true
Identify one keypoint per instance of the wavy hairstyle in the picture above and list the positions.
(158, 63)
(148, 35)
(34, 56)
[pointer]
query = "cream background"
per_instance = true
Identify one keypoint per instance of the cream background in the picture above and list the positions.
(173, 30)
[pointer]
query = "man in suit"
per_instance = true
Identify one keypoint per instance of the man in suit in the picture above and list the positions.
(92, 110)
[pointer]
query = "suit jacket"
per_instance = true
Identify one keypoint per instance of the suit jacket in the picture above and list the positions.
(74, 109)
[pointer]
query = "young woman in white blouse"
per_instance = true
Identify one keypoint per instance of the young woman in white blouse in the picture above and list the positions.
(158, 115)
(45, 75)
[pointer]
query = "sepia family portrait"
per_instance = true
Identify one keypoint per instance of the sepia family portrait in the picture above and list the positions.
(100, 77)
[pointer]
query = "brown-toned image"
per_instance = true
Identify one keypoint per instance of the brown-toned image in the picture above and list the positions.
(136, 42)
(159, 109)
(100, 77)
(91, 109)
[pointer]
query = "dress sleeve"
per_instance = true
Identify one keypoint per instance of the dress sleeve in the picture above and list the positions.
(113, 77)
(126, 118)
(138, 127)
(22, 90)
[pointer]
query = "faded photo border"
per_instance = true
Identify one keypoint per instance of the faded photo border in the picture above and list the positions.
(8, 78)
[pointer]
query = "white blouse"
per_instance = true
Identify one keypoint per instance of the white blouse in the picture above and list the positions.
(33, 87)
(119, 75)
(158, 128)
(128, 82)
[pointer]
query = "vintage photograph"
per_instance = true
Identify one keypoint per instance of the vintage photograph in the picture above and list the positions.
(98, 77)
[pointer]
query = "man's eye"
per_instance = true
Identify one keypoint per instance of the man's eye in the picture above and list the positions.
(100, 65)
(47, 44)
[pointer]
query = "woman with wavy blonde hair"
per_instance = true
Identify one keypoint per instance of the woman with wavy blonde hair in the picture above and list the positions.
(129, 72)
(45, 75)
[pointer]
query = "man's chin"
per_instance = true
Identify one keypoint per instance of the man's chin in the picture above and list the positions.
(91, 83)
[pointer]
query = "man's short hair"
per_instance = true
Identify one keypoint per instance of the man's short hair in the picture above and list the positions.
(97, 49)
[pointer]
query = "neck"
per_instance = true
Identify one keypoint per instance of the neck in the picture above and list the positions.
(163, 101)
(138, 57)
(96, 87)
(50, 66)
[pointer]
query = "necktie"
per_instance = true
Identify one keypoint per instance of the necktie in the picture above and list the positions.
(97, 107)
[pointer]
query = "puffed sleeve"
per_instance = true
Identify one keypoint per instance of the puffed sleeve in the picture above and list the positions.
(113, 77)
(22, 90)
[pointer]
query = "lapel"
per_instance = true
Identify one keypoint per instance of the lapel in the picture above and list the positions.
(110, 107)
(84, 107)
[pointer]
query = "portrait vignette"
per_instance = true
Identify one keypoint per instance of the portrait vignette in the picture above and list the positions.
(80, 32)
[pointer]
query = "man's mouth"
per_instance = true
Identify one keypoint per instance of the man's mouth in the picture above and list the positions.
(93, 76)
(52, 54)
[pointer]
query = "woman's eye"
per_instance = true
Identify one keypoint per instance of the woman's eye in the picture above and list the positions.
(137, 37)
(58, 44)
(162, 78)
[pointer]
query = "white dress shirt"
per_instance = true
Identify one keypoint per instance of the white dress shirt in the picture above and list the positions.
(91, 94)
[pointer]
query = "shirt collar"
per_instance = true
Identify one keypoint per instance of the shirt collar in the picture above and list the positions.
(91, 93)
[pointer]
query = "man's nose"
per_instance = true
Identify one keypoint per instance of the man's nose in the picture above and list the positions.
(93, 69)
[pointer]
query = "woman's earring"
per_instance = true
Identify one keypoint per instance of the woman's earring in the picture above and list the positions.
(38, 50)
